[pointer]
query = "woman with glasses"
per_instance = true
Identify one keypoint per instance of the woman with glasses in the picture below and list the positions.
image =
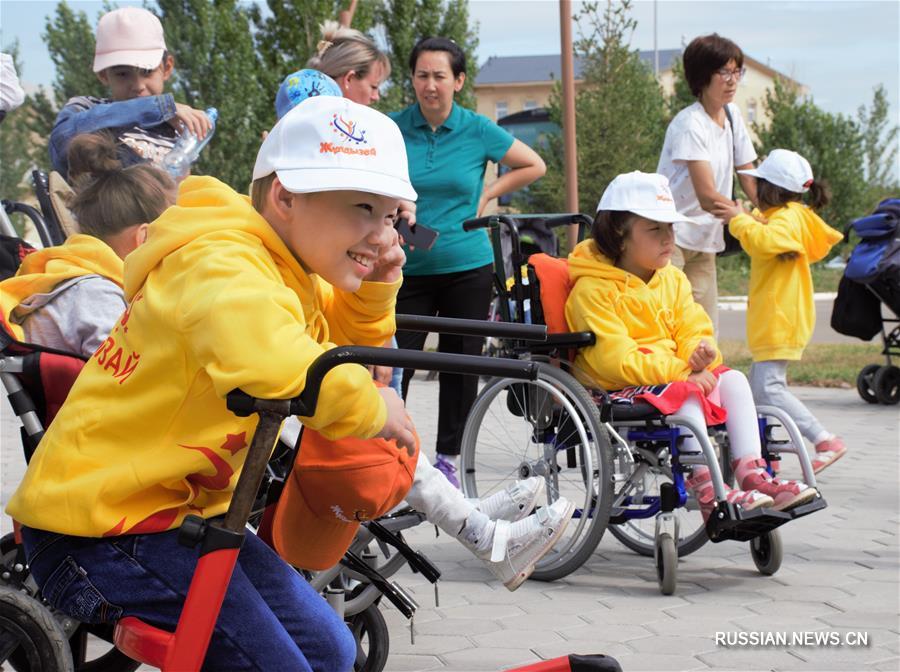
(705, 143)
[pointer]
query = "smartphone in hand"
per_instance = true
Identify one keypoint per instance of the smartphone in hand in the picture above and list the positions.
(418, 236)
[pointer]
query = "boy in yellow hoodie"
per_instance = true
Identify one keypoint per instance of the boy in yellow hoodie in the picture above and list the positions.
(782, 241)
(652, 335)
(70, 296)
(227, 292)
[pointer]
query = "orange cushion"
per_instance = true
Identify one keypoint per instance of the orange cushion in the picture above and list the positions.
(553, 276)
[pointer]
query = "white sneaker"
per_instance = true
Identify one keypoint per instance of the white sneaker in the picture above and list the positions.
(515, 502)
(516, 547)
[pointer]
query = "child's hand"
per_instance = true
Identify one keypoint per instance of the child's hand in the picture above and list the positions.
(704, 380)
(398, 425)
(388, 266)
(193, 120)
(702, 357)
(382, 374)
(727, 210)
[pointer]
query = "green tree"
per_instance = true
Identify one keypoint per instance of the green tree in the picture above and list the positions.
(620, 112)
(832, 143)
(217, 65)
(682, 96)
(15, 143)
(405, 22)
(879, 141)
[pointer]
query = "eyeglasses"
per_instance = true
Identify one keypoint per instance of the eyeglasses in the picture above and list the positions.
(732, 75)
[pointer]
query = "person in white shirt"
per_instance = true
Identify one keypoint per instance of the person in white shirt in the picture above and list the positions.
(11, 93)
(705, 143)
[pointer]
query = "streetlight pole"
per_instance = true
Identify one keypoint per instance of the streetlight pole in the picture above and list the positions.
(568, 90)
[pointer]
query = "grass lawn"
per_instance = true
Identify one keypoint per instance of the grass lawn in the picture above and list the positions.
(734, 276)
(823, 364)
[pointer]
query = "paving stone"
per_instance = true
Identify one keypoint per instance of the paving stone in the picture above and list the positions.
(403, 662)
(583, 647)
(497, 612)
(432, 644)
(860, 619)
(456, 626)
(492, 659)
(792, 608)
(654, 662)
(514, 638)
(756, 658)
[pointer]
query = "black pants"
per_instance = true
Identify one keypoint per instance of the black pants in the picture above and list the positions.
(466, 294)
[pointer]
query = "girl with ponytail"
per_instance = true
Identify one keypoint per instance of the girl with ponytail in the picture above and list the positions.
(353, 60)
(783, 238)
(69, 297)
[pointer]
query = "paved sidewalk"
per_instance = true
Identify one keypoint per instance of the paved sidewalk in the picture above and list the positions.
(840, 575)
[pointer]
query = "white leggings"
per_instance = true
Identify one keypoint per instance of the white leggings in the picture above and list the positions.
(733, 394)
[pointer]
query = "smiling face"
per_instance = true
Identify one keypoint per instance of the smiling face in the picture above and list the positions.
(435, 84)
(337, 235)
(363, 90)
(126, 82)
(647, 248)
(720, 90)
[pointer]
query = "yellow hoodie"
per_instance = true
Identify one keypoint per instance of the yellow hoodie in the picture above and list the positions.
(781, 312)
(646, 332)
(216, 302)
(44, 270)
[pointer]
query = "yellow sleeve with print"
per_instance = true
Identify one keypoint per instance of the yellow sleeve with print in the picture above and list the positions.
(247, 330)
(779, 235)
(616, 360)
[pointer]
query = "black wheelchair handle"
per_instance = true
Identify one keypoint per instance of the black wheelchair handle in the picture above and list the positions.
(460, 327)
(550, 220)
(242, 404)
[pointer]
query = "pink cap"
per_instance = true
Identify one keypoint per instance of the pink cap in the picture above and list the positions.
(129, 36)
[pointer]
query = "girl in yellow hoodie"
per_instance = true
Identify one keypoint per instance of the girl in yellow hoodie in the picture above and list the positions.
(650, 332)
(782, 241)
(70, 296)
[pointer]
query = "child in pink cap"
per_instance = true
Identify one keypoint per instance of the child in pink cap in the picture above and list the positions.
(132, 60)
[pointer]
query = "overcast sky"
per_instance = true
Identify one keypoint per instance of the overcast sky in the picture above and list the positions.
(841, 50)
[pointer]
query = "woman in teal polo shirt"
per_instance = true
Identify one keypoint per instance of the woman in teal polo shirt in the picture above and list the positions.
(448, 148)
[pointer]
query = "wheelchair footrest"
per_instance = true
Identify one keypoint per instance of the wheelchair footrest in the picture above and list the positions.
(730, 522)
(817, 504)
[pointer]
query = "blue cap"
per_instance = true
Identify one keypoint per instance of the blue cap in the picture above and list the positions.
(303, 84)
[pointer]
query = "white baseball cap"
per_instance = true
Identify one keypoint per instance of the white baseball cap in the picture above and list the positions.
(785, 169)
(645, 194)
(330, 144)
(129, 36)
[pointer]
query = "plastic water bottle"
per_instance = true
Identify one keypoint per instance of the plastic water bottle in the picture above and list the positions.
(187, 149)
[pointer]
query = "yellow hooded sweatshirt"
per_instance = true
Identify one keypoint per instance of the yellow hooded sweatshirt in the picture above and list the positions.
(216, 302)
(781, 312)
(646, 332)
(43, 271)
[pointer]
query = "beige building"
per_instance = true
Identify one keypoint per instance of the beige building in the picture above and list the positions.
(509, 84)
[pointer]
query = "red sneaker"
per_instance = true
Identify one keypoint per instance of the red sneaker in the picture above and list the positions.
(751, 474)
(701, 485)
(828, 452)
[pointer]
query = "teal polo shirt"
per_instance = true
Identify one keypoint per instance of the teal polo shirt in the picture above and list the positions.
(446, 167)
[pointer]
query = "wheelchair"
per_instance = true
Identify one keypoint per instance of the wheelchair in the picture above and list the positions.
(620, 462)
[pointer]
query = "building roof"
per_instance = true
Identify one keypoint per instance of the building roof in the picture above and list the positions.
(523, 69)
(520, 69)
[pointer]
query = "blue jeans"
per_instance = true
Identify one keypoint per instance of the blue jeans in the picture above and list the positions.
(271, 618)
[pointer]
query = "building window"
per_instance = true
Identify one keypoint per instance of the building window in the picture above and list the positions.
(751, 111)
(501, 109)
(530, 105)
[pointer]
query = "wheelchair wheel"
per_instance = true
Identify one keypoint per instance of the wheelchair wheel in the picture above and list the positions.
(551, 428)
(638, 534)
(865, 383)
(767, 552)
(372, 639)
(112, 660)
(887, 385)
(30, 638)
(666, 564)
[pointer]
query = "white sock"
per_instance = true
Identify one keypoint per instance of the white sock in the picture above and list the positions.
(452, 459)
(478, 531)
(824, 435)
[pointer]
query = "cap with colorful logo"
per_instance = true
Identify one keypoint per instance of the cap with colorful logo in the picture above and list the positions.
(332, 144)
(645, 194)
(129, 36)
(302, 85)
(785, 169)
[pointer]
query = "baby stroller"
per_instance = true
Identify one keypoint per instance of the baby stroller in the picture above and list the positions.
(872, 279)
